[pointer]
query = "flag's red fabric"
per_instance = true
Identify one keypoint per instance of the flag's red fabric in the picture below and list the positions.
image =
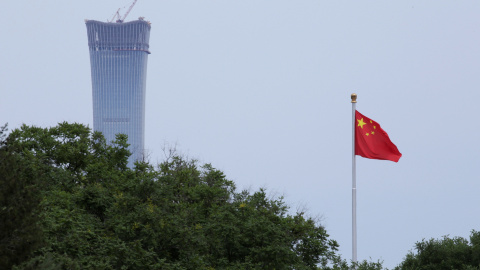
(371, 141)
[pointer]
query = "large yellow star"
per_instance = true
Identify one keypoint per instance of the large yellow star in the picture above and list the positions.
(361, 123)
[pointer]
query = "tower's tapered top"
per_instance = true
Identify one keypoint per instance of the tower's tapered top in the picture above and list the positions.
(133, 35)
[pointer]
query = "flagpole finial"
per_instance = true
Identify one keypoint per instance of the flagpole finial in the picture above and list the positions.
(354, 98)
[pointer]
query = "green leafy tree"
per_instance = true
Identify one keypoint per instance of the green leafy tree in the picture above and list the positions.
(93, 212)
(446, 253)
(20, 233)
(341, 264)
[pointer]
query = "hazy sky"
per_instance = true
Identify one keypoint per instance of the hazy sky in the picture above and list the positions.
(261, 89)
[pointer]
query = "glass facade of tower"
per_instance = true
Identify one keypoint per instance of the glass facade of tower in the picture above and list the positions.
(118, 59)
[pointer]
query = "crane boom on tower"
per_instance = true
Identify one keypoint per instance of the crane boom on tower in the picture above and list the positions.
(117, 15)
(129, 9)
(120, 19)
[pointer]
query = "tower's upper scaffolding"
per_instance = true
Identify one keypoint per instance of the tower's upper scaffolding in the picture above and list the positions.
(132, 35)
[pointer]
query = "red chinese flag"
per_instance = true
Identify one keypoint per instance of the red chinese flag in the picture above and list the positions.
(371, 141)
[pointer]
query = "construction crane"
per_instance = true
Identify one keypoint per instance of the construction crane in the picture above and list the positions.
(128, 11)
(117, 14)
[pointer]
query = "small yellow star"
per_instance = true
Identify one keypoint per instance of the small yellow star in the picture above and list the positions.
(361, 123)
(366, 134)
(371, 122)
(374, 127)
(373, 132)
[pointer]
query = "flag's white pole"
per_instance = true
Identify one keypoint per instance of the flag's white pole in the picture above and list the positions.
(354, 184)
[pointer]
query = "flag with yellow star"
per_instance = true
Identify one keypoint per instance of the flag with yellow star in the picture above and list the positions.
(371, 141)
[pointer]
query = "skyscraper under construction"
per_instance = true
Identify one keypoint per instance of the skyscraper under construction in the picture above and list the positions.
(118, 58)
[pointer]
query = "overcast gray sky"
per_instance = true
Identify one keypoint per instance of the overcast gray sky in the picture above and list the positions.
(261, 89)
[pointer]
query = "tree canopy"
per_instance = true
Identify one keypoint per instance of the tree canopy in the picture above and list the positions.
(69, 201)
(444, 254)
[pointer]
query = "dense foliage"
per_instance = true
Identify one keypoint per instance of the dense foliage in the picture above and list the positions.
(445, 254)
(69, 201)
(20, 233)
